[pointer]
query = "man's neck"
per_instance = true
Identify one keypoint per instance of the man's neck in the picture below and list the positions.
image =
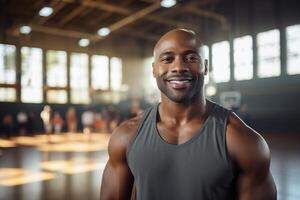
(181, 113)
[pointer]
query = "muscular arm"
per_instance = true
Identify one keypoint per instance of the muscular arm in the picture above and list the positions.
(117, 180)
(252, 156)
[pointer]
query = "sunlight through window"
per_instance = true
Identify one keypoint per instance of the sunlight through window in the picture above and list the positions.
(221, 62)
(32, 75)
(293, 49)
(268, 46)
(243, 58)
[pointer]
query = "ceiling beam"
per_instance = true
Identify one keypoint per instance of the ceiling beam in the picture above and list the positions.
(100, 5)
(209, 14)
(63, 32)
(71, 15)
(170, 22)
(107, 14)
(140, 34)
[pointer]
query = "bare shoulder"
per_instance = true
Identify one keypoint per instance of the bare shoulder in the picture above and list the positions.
(122, 136)
(247, 147)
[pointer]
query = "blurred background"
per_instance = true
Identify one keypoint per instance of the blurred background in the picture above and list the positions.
(73, 70)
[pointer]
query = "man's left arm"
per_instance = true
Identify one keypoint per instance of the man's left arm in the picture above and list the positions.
(252, 156)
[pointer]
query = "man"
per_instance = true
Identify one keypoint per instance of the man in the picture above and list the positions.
(186, 147)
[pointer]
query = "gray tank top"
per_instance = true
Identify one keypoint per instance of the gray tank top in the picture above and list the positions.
(198, 169)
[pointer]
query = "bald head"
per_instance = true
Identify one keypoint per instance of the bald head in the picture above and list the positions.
(182, 37)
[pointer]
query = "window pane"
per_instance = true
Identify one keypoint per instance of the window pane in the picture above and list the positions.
(56, 68)
(100, 73)
(204, 51)
(221, 62)
(57, 96)
(31, 76)
(268, 54)
(243, 58)
(7, 94)
(79, 78)
(116, 73)
(293, 49)
(7, 64)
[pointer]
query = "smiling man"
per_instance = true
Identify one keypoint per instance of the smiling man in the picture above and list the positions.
(186, 147)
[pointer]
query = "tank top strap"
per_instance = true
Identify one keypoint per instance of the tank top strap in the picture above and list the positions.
(145, 115)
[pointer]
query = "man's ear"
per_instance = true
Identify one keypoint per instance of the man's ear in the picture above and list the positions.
(153, 70)
(205, 66)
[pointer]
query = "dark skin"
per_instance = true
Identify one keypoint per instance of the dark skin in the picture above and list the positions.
(179, 71)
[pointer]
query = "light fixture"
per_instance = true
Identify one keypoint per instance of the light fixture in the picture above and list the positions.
(25, 29)
(46, 11)
(84, 42)
(167, 3)
(103, 31)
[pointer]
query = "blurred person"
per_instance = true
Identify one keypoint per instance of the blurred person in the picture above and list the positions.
(31, 122)
(57, 122)
(71, 119)
(8, 125)
(87, 120)
(186, 147)
(46, 116)
(22, 120)
(98, 123)
(135, 108)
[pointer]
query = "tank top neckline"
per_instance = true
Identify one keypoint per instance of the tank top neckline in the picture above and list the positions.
(198, 132)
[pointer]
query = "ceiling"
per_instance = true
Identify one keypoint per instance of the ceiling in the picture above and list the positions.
(139, 19)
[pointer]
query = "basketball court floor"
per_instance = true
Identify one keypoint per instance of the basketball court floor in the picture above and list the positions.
(70, 166)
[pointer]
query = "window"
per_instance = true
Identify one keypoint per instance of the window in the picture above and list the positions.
(31, 75)
(100, 72)
(57, 96)
(79, 78)
(243, 58)
(7, 72)
(204, 51)
(268, 53)
(57, 76)
(293, 49)
(221, 62)
(116, 73)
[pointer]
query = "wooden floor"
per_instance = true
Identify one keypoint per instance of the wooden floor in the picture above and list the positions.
(69, 166)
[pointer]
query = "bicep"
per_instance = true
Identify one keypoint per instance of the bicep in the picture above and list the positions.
(117, 181)
(256, 187)
(117, 178)
(252, 156)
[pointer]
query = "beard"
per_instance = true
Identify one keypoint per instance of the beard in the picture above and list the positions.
(183, 95)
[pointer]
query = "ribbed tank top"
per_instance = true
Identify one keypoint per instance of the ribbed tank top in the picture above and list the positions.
(198, 169)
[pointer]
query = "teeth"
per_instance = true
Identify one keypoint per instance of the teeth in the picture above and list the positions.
(181, 81)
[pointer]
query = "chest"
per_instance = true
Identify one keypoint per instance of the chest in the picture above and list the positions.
(192, 164)
(178, 134)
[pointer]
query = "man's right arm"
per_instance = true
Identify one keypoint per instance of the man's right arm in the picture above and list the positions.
(117, 180)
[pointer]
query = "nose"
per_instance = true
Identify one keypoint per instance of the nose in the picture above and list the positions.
(179, 66)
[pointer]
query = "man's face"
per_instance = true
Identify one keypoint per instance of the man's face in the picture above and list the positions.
(178, 67)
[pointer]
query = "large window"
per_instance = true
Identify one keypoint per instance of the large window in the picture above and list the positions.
(221, 62)
(116, 73)
(57, 76)
(293, 49)
(32, 75)
(7, 72)
(268, 45)
(243, 58)
(79, 78)
(100, 72)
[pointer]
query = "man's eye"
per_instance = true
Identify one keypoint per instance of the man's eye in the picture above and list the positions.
(193, 58)
(166, 59)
